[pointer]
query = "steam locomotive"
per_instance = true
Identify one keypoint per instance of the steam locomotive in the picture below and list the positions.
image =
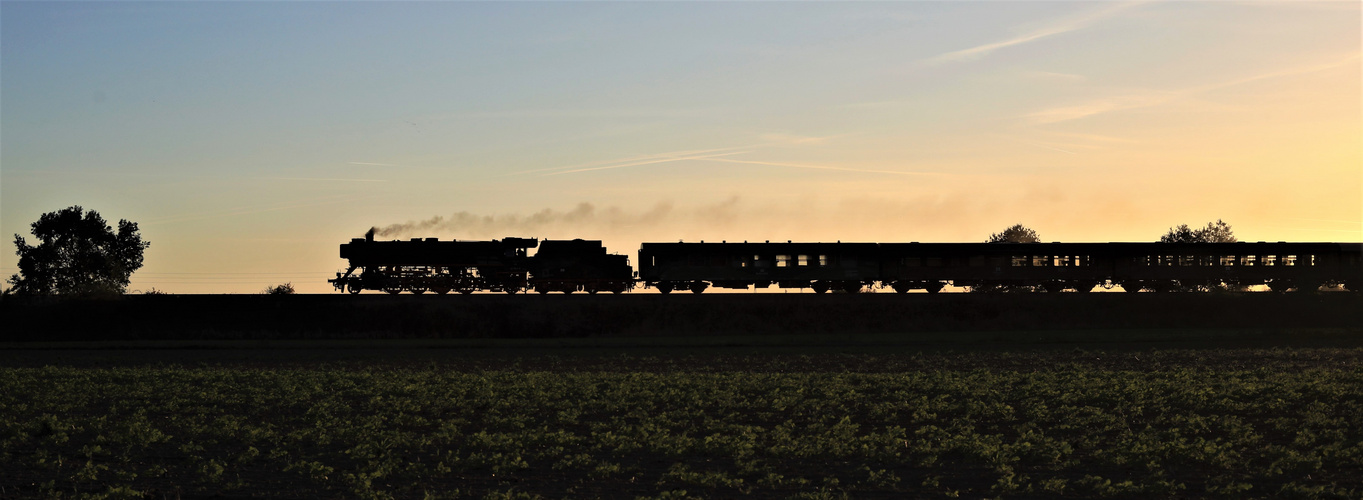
(430, 265)
(568, 266)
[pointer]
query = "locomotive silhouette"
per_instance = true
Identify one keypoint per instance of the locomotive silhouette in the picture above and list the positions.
(424, 265)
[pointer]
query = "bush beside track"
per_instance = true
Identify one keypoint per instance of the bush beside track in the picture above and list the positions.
(263, 317)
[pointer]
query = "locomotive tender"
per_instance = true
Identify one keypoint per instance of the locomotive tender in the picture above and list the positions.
(568, 266)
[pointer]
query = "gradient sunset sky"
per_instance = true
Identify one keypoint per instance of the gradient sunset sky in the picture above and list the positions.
(250, 139)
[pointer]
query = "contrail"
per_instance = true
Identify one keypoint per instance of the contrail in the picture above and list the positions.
(1055, 29)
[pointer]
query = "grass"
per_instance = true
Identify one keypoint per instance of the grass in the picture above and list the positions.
(1130, 423)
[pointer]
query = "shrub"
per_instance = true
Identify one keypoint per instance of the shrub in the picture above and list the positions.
(281, 289)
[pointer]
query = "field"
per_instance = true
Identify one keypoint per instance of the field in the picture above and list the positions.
(691, 423)
(751, 397)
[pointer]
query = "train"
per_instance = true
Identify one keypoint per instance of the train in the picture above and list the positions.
(421, 265)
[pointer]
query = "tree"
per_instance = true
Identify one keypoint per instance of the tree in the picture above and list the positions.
(77, 254)
(1016, 234)
(1215, 232)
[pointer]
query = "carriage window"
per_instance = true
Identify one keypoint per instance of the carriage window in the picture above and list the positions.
(1311, 261)
(1270, 260)
(1019, 260)
(1187, 260)
(1289, 260)
(782, 261)
(802, 261)
(934, 262)
(977, 261)
(1227, 260)
(823, 260)
(1247, 260)
(1040, 260)
(911, 261)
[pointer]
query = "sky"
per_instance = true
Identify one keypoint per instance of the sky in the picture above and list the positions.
(249, 139)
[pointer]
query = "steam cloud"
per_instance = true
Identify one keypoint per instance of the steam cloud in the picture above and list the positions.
(549, 222)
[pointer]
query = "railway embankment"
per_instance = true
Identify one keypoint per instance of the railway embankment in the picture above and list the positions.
(641, 316)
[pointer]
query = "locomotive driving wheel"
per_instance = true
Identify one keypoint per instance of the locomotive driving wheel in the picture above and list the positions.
(353, 288)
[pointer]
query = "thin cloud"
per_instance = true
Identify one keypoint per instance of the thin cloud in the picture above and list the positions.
(327, 179)
(630, 159)
(1100, 106)
(1300, 70)
(368, 164)
(1155, 98)
(795, 140)
(768, 140)
(1064, 26)
(1053, 76)
(1043, 146)
(252, 209)
(648, 162)
(821, 167)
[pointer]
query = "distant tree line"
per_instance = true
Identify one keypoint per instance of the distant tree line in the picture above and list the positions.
(1213, 232)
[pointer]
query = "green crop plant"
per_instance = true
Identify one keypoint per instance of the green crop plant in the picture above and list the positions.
(1200, 424)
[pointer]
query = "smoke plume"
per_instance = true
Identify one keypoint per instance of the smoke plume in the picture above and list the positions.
(550, 222)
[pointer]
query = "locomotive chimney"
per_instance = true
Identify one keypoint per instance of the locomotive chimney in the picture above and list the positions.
(369, 235)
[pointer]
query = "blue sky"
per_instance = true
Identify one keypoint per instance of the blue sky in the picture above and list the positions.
(249, 139)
